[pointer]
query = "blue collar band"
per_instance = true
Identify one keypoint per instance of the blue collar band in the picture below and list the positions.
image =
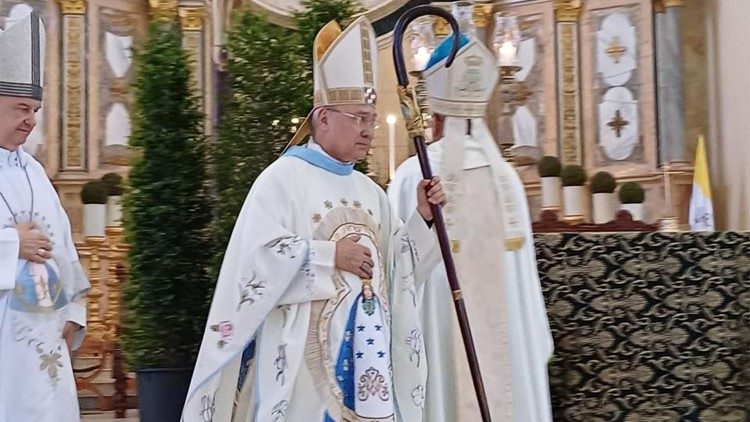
(319, 160)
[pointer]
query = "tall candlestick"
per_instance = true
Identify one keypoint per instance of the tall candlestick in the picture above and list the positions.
(667, 188)
(668, 223)
(507, 54)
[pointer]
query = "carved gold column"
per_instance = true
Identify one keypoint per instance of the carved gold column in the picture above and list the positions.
(568, 70)
(92, 252)
(73, 85)
(192, 21)
(482, 14)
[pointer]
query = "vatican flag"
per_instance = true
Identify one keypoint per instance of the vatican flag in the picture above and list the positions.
(701, 206)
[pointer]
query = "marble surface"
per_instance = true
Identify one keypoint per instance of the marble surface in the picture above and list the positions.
(670, 96)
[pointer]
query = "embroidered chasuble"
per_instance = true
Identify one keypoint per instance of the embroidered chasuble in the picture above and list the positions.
(36, 376)
(291, 338)
(36, 300)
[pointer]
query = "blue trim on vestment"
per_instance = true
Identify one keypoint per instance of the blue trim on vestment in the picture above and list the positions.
(319, 160)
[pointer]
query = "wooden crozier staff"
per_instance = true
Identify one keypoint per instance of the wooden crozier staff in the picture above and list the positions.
(415, 127)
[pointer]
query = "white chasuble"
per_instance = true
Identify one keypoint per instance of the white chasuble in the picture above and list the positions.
(500, 285)
(36, 376)
(291, 338)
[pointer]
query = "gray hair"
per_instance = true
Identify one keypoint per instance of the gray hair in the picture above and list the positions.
(314, 120)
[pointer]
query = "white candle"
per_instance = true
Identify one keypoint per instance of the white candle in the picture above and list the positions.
(421, 57)
(668, 188)
(391, 120)
(507, 54)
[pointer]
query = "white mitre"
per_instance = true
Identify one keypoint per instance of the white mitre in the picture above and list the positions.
(461, 93)
(465, 88)
(22, 58)
(345, 68)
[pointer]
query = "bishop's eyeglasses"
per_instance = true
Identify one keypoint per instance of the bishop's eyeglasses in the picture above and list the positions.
(364, 122)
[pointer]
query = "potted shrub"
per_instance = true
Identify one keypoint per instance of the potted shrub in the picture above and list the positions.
(573, 177)
(632, 196)
(113, 181)
(549, 173)
(94, 198)
(167, 218)
(602, 191)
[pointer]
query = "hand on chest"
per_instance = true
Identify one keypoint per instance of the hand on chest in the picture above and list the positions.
(357, 219)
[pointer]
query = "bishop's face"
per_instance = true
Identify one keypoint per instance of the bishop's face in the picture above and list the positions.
(17, 120)
(349, 131)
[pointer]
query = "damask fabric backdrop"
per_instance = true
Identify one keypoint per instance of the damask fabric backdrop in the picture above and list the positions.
(648, 326)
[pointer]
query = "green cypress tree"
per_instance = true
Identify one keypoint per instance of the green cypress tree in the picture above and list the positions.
(257, 115)
(315, 14)
(167, 211)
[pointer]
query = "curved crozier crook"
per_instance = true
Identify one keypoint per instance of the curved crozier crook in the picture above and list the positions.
(400, 29)
(415, 127)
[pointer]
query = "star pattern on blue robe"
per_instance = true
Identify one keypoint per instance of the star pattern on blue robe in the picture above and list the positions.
(364, 345)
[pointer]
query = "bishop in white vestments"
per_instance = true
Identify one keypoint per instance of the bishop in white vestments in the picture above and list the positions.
(42, 283)
(490, 230)
(315, 300)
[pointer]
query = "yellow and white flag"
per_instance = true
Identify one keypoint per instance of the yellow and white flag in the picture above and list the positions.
(701, 206)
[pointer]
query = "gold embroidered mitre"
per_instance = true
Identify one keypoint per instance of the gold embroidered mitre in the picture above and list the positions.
(344, 68)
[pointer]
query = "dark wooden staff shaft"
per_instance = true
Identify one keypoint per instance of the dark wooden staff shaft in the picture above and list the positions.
(413, 118)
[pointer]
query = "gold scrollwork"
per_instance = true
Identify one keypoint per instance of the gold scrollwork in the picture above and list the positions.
(441, 27)
(192, 18)
(95, 253)
(73, 7)
(410, 111)
(163, 10)
(481, 14)
(674, 3)
(567, 10)
(120, 20)
(569, 96)
(74, 96)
